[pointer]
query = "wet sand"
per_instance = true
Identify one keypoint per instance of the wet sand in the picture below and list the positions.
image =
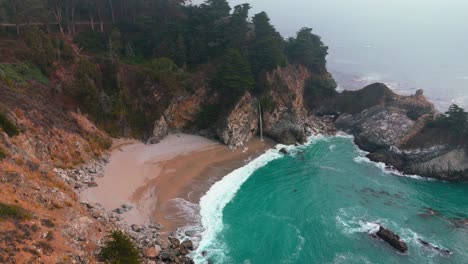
(165, 181)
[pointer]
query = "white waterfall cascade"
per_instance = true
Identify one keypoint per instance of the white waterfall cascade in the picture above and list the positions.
(261, 120)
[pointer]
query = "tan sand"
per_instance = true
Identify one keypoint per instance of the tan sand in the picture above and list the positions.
(154, 178)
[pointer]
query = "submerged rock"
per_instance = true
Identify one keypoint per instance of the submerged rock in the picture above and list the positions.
(438, 249)
(430, 212)
(460, 222)
(392, 239)
(284, 151)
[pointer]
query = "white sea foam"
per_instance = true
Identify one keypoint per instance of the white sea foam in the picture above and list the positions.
(349, 223)
(222, 192)
(219, 195)
(190, 212)
(293, 257)
(357, 220)
(361, 158)
(371, 78)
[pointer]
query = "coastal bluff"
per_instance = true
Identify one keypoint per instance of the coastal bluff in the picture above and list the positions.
(392, 128)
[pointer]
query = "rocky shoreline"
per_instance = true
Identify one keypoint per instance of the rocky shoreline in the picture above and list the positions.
(154, 248)
(381, 128)
(391, 128)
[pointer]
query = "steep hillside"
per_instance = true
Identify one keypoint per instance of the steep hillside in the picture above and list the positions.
(41, 219)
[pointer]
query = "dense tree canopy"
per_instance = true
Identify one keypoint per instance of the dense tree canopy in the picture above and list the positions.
(167, 39)
(307, 49)
(234, 76)
(267, 50)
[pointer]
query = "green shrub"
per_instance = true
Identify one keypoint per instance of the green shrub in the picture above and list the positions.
(41, 51)
(317, 89)
(10, 211)
(2, 154)
(20, 73)
(86, 86)
(162, 66)
(267, 104)
(66, 52)
(208, 116)
(119, 249)
(91, 41)
(8, 126)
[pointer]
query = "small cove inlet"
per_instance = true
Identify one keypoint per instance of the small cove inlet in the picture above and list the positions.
(319, 204)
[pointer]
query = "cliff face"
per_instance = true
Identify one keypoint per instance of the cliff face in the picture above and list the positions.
(285, 119)
(241, 124)
(385, 125)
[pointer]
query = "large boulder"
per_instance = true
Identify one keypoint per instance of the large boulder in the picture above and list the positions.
(392, 239)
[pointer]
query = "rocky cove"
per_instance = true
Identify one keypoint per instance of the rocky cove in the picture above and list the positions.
(126, 121)
(380, 129)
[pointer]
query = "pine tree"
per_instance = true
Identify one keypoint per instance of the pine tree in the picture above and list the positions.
(457, 119)
(268, 48)
(307, 49)
(234, 76)
(236, 32)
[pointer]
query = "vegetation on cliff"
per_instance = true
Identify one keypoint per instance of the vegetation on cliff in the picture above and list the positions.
(8, 126)
(452, 125)
(10, 211)
(167, 41)
(119, 249)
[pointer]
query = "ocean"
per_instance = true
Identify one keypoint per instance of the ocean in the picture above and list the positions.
(407, 44)
(321, 203)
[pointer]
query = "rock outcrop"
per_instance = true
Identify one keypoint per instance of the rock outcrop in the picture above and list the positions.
(286, 120)
(392, 239)
(285, 117)
(384, 122)
(241, 124)
(161, 130)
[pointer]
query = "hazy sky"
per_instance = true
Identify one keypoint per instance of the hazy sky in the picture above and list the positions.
(290, 15)
(415, 43)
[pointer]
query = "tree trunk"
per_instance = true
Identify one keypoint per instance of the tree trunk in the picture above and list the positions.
(58, 15)
(73, 19)
(17, 20)
(92, 22)
(112, 11)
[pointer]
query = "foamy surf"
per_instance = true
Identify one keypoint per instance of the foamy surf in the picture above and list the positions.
(362, 159)
(220, 194)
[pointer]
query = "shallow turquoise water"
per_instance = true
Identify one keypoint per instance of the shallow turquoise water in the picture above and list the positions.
(319, 205)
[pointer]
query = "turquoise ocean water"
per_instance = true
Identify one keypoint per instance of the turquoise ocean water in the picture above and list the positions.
(319, 205)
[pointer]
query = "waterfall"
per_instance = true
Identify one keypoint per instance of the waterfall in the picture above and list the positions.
(261, 120)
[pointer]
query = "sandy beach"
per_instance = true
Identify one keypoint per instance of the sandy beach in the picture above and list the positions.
(164, 182)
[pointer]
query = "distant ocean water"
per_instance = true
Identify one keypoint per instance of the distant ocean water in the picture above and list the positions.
(319, 204)
(407, 44)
